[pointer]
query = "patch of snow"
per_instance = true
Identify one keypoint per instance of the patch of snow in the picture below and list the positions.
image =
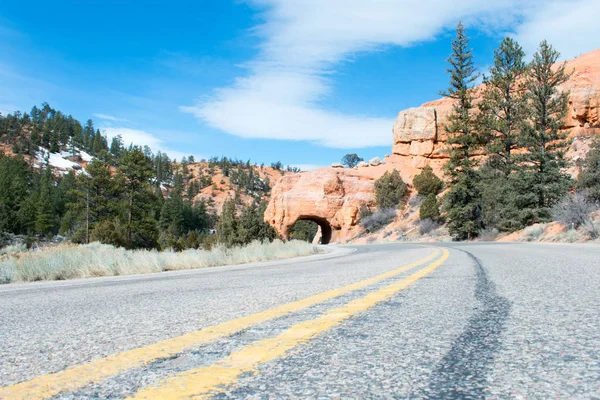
(54, 159)
(85, 156)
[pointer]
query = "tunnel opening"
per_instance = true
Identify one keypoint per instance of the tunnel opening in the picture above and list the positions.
(306, 228)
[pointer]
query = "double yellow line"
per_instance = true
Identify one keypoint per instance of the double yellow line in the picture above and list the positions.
(201, 382)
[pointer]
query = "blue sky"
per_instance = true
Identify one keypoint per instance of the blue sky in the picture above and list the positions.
(303, 82)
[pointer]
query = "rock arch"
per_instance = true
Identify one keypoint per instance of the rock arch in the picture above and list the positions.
(325, 232)
(331, 197)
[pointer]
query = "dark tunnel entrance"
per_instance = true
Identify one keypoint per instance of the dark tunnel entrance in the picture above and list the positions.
(305, 228)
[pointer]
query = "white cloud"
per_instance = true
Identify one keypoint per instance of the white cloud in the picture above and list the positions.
(143, 138)
(108, 117)
(571, 26)
(6, 109)
(302, 42)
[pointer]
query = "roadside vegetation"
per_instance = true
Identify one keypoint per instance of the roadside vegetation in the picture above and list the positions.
(507, 170)
(69, 261)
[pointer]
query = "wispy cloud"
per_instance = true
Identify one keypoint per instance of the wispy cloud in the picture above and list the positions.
(571, 26)
(142, 138)
(109, 117)
(6, 109)
(302, 42)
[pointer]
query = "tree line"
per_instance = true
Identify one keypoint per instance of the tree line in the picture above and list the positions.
(507, 166)
(126, 195)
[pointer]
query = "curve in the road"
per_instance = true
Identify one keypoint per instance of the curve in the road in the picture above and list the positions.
(76, 377)
(201, 382)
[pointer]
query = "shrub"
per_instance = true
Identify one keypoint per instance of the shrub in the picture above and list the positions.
(378, 219)
(427, 225)
(592, 229)
(364, 211)
(570, 236)
(534, 232)
(95, 259)
(429, 208)
(13, 248)
(351, 160)
(427, 182)
(415, 201)
(573, 211)
(390, 190)
(589, 178)
(489, 234)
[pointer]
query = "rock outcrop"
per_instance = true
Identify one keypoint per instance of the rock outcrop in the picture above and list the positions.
(332, 196)
(419, 132)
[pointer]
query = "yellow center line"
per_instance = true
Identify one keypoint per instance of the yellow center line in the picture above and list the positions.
(76, 377)
(205, 381)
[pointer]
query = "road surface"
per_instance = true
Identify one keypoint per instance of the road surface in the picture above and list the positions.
(480, 320)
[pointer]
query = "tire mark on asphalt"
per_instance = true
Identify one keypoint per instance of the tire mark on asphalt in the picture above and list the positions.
(462, 374)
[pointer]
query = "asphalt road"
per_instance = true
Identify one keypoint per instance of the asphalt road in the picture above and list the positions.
(381, 321)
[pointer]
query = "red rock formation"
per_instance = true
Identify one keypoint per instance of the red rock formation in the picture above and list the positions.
(332, 196)
(419, 132)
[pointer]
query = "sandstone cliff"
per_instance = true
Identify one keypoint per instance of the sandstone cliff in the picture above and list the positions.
(332, 196)
(419, 133)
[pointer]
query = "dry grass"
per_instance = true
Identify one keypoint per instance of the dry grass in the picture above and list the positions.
(81, 261)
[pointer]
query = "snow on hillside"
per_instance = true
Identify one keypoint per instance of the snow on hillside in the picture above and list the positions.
(84, 156)
(59, 160)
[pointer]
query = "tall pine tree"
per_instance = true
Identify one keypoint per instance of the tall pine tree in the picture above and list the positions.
(542, 166)
(463, 201)
(503, 110)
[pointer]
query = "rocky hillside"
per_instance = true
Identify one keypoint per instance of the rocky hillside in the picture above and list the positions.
(419, 136)
(333, 196)
(217, 184)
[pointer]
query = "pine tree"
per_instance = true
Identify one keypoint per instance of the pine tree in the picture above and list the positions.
(429, 208)
(462, 203)
(503, 111)
(136, 170)
(116, 146)
(15, 188)
(252, 226)
(88, 134)
(503, 108)
(227, 227)
(589, 177)
(541, 134)
(45, 218)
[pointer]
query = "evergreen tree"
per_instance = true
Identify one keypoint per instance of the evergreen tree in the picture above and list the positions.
(88, 134)
(427, 182)
(15, 188)
(463, 201)
(252, 225)
(503, 108)
(503, 112)
(429, 208)
(589, 177)
(116, 146)
(45, 218)
(351, 160)
(390, 190)
(541, 134)
(136, 170)
(227, 227)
